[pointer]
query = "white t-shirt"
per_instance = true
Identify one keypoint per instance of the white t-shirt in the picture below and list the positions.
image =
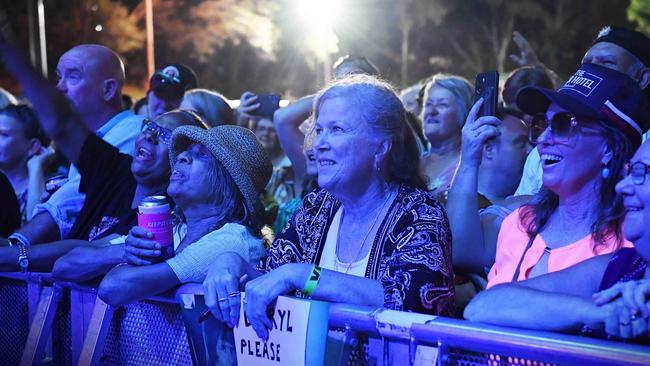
(531, 178)
(329, 259)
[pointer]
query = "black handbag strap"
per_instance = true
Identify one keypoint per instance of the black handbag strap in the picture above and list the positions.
(521, 260)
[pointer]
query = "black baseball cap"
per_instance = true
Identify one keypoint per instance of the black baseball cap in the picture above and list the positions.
(173, 80)
(595, 92)
(634, 42)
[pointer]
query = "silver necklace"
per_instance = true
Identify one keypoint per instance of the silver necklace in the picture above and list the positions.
(365, 238)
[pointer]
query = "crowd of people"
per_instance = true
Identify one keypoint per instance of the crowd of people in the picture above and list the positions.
(533, 217)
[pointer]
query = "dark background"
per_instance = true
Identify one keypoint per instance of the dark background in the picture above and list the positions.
(215, 37)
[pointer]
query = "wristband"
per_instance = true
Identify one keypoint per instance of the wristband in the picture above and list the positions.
(312, 281)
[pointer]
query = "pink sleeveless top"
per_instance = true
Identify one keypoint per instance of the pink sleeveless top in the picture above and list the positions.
(511, 244)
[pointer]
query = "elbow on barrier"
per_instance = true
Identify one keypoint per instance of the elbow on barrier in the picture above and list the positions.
(69, 324)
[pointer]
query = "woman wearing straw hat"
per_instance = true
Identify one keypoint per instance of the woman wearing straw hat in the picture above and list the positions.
(369, 236)
(217, 177)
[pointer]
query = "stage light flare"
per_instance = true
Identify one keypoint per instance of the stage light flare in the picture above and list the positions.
(318, 18)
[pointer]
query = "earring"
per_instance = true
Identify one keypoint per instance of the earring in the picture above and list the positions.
(605, 172)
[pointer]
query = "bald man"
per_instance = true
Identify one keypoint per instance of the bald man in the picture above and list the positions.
(91, 78)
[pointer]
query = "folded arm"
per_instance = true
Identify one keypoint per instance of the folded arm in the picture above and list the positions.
(87, 262)
(558, 301)
(41, 257)
(128, 283)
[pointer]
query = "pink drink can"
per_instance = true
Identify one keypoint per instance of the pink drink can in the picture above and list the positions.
(154, 214)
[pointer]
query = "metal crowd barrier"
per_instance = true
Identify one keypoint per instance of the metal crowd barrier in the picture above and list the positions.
(46, 322)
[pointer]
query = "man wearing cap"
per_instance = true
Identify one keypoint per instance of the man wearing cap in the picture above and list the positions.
(616, 48)
(167, 87)
(91, 78)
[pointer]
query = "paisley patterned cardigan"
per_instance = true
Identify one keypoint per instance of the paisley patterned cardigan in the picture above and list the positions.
(410, 255)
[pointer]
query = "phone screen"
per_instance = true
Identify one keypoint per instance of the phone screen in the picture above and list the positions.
(487, 87)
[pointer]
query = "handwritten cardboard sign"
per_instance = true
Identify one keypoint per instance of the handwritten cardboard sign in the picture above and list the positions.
(298, 336)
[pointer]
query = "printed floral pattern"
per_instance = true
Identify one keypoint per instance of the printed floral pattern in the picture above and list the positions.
(411, 254)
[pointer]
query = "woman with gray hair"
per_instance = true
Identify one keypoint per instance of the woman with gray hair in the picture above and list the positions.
(370, 234)
(210, 105)
(217, 177)
(447, 100)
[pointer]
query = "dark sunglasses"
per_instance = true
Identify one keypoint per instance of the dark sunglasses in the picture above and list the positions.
(563, 126)
(637, 171)
(163, 134)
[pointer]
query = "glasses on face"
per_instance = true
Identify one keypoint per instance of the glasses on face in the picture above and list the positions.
(166, 79)
(163, 134)
(637, 171)
(563, 127)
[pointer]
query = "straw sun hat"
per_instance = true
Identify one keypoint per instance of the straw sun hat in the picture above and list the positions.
(238, 150)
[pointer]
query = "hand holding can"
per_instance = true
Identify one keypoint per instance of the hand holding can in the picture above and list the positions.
(154, 215)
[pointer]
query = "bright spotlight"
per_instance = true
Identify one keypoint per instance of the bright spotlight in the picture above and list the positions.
(318, 18)
(320, 14)
(98, 28)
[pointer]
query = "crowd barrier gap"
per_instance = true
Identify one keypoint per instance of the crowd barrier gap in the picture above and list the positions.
(48, 322)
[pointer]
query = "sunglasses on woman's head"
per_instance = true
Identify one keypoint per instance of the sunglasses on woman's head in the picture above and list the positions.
(637, 171)
(563, 127)
(163, 134)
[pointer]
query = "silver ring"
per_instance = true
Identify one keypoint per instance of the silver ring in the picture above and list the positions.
(221, 299)
(634, 317)
(234, 294)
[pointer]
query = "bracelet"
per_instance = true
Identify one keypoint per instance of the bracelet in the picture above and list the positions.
(312, 281)
(22, 239)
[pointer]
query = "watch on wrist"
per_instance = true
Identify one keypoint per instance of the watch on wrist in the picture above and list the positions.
(23, 261)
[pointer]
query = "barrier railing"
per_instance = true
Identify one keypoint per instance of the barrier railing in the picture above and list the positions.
(57, 323)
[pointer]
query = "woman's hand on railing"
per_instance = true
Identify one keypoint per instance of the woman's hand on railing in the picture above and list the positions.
(222, 287)
(262, 292)
(139, 247)
(628, 307)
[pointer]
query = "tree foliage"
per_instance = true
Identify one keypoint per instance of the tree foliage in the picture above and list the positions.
(639, 13)
(260, 45)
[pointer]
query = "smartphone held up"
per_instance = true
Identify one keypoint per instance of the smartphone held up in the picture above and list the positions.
(487, 87)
